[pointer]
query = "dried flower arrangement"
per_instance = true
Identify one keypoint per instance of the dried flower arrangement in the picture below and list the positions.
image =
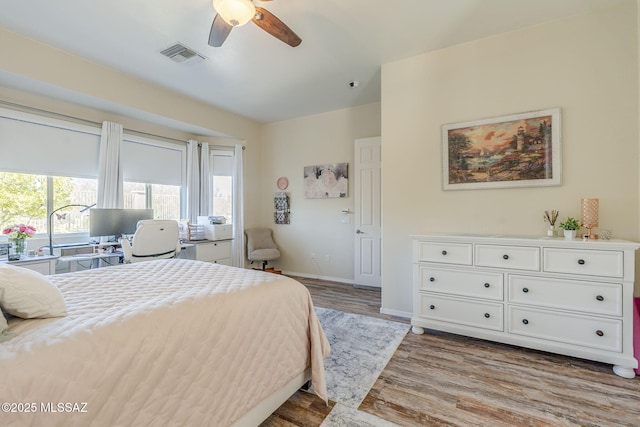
(552, 217)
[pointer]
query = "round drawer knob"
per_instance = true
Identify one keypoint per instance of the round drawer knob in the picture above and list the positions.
(600, 298)
(525, 290)
(487, 315)
(432, 307)
(581, 261)
(432, 279)
(599, 333)
(487, 285)
(505, 256)
(444, 252)
(525, 321)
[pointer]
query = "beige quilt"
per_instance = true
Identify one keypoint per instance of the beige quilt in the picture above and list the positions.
(168, 342)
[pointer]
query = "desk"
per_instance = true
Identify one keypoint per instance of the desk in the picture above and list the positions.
(98, 259)
(94, 258)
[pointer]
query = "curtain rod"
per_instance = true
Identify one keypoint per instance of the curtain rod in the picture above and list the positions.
(90, 122)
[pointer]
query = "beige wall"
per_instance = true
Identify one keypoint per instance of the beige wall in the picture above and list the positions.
(73, 78)
(288, 147)
(587, 66)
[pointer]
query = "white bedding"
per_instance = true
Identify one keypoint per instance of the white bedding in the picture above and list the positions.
(169, 342)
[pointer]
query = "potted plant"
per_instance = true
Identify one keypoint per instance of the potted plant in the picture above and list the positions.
(570, 226)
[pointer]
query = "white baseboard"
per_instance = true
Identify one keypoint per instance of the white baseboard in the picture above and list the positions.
(396, 313)
(315, 276)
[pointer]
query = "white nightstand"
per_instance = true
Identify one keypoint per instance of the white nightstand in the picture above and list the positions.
(45, 264)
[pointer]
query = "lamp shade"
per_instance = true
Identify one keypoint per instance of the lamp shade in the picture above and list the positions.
(590, 208)
(235, 12)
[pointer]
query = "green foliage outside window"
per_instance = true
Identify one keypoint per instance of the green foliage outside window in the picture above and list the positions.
(23, 198)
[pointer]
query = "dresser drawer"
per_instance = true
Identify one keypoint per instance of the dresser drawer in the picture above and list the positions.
(590, 297)
(587, 331)
(448, 253)
(584, 261)
(484, 315)
(42, 267)
(514, 257)
(212, 251)
(466, 283)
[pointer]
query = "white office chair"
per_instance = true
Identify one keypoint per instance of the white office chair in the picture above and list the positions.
(153, 239)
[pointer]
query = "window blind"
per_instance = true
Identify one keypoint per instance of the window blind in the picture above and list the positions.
(221, 163)
(152, 161)
(44, 146)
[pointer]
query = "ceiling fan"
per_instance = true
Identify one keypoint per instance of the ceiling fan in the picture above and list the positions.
(235, 13)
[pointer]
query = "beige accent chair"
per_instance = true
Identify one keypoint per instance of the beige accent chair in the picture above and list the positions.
(260, 246)
(153, 239)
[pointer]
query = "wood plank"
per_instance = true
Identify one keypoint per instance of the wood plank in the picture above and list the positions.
(441, 379)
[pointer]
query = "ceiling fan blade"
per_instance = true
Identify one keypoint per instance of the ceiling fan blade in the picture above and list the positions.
(278, 29)
(219, 31)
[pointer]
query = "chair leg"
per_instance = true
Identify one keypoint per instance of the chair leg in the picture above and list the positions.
(264, 265)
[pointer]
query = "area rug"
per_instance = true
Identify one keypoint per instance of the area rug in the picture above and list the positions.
(361, 347)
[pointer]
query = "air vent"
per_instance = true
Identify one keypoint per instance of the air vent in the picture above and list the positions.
(180, 53)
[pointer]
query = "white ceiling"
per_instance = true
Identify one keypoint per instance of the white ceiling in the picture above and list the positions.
(254, 74)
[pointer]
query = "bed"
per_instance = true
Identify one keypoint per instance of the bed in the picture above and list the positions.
(167, 342)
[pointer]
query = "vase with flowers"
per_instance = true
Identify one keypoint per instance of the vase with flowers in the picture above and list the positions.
(551, 218)
(18, 235)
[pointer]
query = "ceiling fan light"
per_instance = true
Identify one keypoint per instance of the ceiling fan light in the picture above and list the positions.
(235, 12)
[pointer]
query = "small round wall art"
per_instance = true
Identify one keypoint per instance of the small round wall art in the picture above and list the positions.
(282, 183)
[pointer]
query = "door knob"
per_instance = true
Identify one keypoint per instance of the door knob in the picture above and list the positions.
(360, 232)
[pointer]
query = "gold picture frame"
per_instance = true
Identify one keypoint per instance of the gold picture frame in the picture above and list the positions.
(518, 150)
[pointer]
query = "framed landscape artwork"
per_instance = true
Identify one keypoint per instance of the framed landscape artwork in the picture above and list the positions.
(519, 150)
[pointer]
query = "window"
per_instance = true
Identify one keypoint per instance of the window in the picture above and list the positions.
(223, 197)
(76, 191)
(163, 199)
(24, 201)
(222, 183)
(154, 175)
(62, 172)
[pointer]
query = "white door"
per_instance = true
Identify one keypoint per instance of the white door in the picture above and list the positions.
(368, 231)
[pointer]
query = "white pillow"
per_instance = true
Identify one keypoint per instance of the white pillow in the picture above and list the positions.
(28, 294)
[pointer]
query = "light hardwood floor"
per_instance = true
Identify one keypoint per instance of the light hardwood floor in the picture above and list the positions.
(440, 379)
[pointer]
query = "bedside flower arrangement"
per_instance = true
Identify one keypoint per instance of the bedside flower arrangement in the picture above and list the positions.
(19, 231)
(18, 234)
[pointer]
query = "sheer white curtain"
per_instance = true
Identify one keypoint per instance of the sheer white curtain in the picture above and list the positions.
(110, 182)
(238, 208)
(193, 182)
(205, 180)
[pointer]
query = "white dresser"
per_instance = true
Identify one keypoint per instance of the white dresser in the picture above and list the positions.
(215, 251)
(570, 297)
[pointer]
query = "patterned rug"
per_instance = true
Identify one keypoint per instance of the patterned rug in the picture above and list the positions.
(361, 346)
